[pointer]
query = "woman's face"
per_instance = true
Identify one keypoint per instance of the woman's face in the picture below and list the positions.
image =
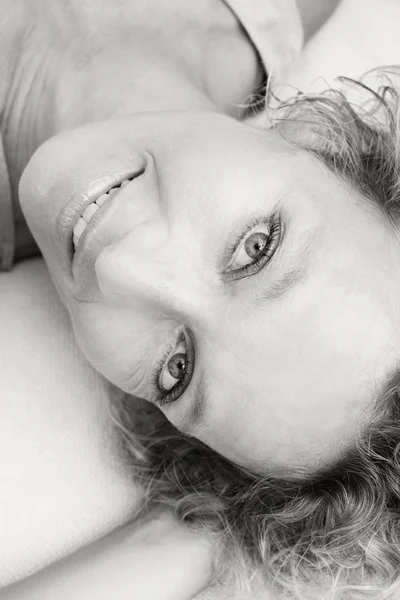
(234, 280)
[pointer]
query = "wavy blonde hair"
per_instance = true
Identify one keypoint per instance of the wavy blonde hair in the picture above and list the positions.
(335, 533)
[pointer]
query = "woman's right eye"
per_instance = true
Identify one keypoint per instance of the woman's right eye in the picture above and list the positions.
(173, 372)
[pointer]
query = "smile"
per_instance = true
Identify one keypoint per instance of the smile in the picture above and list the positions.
(95, 217)
(92, 208)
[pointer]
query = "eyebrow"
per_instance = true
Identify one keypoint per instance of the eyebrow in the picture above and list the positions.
(290, 278)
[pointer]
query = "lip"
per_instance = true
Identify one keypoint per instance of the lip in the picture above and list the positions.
(72, 211)
(105, 228)
(87, 250)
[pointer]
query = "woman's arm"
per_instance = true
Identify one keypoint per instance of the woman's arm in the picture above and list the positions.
(154, 559)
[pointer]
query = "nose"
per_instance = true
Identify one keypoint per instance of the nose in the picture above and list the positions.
(155, 267)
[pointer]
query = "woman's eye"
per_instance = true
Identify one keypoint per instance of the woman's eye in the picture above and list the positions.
(255, 248)
(173, 372)
(174, 369)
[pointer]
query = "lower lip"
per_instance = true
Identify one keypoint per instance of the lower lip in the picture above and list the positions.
(96, 218)
(81, 255)
(71, 212)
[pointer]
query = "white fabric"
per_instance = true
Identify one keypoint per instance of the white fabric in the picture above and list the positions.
(61, 484)
(274, 27)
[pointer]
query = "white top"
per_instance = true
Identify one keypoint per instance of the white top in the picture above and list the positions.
(274, 27)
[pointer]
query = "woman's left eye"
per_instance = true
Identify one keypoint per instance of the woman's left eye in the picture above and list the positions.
(173, 373)
(255, 248)
(174, 368)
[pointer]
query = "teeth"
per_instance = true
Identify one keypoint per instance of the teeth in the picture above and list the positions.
(89, 211)
(80, 227)
(100, 201)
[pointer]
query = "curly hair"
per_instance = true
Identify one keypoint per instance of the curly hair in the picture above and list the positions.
(334, 533)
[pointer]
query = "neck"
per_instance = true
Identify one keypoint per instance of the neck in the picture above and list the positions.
(75, 77)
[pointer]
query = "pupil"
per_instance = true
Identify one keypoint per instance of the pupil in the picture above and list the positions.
(176, 366)
(255, 244)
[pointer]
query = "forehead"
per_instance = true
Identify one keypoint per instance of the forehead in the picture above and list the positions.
(293, 411)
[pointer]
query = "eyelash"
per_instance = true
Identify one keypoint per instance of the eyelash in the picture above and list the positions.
(275, 227)
(168, 396)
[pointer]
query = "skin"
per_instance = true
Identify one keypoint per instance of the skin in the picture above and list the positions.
(288, 379)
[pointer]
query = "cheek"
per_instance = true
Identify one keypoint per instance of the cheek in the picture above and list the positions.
(33, 191)
(108, 339)
(121, 344)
